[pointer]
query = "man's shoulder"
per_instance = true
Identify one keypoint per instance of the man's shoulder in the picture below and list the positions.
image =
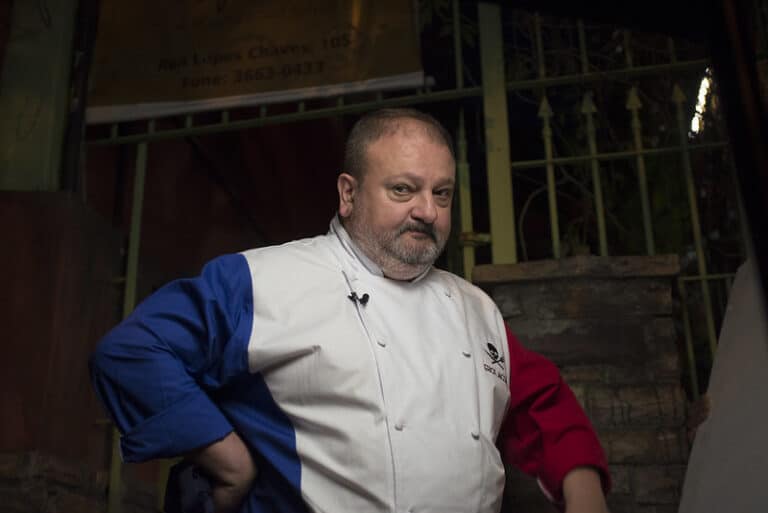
(462, 286)
(291, 264)
(314, 251)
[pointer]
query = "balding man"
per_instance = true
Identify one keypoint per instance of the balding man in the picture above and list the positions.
(344, 373)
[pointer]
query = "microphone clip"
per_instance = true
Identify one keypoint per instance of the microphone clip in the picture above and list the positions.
(362, 299)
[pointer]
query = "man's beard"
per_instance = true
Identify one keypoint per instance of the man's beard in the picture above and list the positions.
(392, 247)
(412, 252)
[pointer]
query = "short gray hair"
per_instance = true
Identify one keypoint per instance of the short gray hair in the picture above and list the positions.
(374, 125)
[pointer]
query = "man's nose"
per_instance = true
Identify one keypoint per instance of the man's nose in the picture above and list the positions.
(425, 209)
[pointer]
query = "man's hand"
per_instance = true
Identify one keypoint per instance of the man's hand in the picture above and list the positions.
(231, 470)
(583, 492)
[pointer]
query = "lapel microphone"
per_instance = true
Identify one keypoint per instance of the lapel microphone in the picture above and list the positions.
(362, 299)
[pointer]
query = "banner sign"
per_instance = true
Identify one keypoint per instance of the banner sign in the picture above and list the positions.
(155, 58)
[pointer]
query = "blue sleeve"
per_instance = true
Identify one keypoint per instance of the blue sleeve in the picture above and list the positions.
(154, 371)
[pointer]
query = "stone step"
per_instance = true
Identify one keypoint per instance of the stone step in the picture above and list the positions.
(585, 298)
(651, 342)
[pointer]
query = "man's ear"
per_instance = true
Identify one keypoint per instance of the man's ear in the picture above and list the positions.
(347, 187)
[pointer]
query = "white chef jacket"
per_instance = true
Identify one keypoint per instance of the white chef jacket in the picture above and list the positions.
(354, 392)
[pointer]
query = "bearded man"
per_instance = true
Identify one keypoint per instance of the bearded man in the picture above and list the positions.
(344, 373)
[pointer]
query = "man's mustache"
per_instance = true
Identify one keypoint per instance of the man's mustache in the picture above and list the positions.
(426, 229)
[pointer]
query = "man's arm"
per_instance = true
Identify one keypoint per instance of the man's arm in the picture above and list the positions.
(229, 466)
(546, 433)
(583, 492)
(154, 371)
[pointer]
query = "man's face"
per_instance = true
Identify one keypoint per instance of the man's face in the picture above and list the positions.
(400, 212)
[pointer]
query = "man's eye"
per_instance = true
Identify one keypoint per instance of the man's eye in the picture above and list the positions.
(401, 189)
(443, 196)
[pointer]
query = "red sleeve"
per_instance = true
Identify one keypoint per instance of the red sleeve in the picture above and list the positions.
(546, 433)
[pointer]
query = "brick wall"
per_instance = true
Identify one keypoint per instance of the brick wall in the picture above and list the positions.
(608, 323)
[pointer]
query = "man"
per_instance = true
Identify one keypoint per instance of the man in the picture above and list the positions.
(344, 373)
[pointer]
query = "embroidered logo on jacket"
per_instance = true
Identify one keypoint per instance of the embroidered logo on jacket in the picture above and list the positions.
(496, 359)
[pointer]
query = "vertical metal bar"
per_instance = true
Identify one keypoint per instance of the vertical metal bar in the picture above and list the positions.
(462, 166)
(500, 198)
(672, 50)
(690, 355)
(115, 492)
(634, 105)
(545, 113)
(628, 57)
(744, 230)
(457, 46)
(224, 117)
(582, 46)
(542, 64)
(164, 469)
(679, 98)
(722, 295)
(588, 109)
(188, 121)
(134, 238)
(465, 197)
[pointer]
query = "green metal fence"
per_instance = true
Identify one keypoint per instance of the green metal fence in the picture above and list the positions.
(498, 95)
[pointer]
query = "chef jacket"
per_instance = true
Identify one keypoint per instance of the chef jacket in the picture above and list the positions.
(354, 392)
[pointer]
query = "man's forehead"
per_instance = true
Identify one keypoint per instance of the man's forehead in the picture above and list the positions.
(411, 130)
(404, 127)
(404, 147)
(401, 137)
(411, 127)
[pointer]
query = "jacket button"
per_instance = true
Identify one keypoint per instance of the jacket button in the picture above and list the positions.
(381, 342)
(466, 353)
(475, 435)
(399, 426)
